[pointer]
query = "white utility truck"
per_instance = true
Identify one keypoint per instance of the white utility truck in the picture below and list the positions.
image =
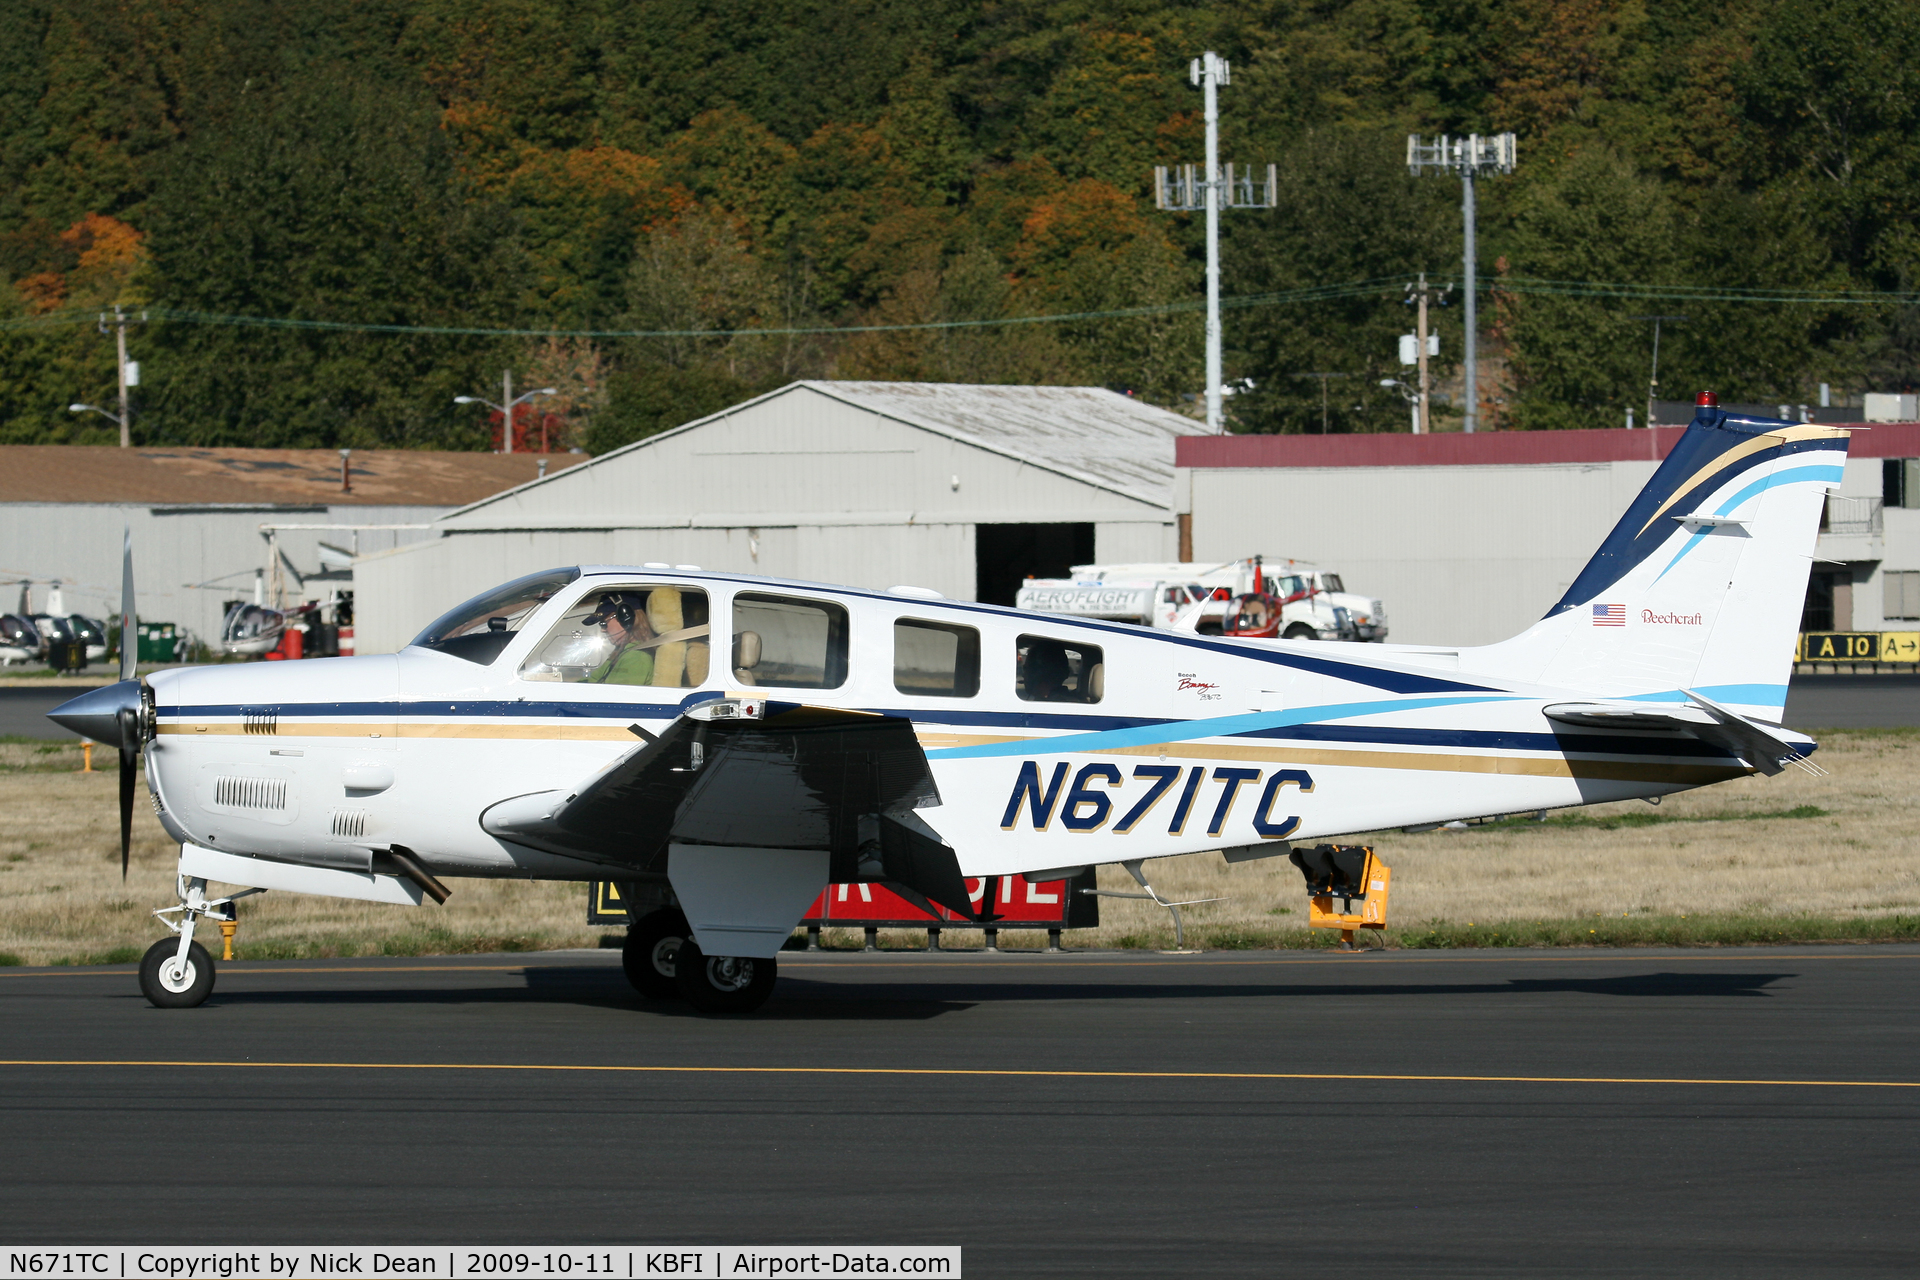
(1315, 603)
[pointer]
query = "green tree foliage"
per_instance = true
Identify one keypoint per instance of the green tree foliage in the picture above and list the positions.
(734, 171)
(331, 200)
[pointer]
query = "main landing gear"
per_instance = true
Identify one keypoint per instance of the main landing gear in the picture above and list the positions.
(177, 972)
(663, 961)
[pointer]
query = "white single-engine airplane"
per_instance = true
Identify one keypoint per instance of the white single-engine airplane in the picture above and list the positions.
(725, 746)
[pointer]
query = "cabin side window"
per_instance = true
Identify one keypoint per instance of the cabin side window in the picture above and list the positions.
(935, 659)
(1049, 670)
(628, 635)
(793, 643)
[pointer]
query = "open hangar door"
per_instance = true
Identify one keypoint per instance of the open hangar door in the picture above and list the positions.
(1005, 555)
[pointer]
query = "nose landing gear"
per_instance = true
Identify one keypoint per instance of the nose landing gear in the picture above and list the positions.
(177, 973)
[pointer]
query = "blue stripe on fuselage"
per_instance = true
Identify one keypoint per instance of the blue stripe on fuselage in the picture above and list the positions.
(1095, 733)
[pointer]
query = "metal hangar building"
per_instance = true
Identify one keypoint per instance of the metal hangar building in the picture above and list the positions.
(1470, 539)
(962, 489)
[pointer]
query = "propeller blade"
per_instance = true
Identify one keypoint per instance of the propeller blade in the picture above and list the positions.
(129, 753)
(129, 619)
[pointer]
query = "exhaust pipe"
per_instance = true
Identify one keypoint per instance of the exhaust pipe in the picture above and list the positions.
(410, 868)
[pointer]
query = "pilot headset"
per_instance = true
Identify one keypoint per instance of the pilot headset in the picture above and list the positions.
(619, 604)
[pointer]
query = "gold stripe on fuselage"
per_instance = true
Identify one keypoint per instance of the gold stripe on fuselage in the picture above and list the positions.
(1616, 770)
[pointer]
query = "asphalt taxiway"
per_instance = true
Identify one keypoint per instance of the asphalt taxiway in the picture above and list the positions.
(1712, 1112)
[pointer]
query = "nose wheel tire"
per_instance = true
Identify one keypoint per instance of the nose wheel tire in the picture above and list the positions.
(653, 942)
(169, 983)
(722, 984)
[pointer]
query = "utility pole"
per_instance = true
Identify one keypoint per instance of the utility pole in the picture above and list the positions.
(1420, 348)
(128, 371)
(1467, 157)
(1324, 378)
(1425, 345)
(1181, 191)
(1653, 377)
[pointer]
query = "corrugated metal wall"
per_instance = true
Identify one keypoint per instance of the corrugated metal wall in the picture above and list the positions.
(173, 549)
(1459, 555)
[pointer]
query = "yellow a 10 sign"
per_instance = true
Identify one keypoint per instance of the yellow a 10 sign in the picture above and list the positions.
(1858, 646)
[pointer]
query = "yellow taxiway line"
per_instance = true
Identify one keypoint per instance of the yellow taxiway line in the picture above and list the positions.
(988, 1072)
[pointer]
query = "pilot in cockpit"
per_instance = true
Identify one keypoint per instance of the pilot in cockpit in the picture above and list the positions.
(624, 615)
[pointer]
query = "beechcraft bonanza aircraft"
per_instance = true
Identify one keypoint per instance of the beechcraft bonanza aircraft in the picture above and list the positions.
(726, 746)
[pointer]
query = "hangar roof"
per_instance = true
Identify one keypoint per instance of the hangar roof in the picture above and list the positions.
(1090, 434)
(259, 477)
(1113, 439)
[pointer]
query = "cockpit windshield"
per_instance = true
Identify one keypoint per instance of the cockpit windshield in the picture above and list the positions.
(479, 629)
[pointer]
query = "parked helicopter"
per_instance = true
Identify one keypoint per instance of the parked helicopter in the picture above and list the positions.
(725, 745)
(250, 630)
(20, 640)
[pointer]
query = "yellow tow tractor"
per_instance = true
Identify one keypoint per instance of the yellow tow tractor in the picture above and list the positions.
(1352, 874)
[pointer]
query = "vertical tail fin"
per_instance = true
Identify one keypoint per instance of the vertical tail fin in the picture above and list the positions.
(1700, 585)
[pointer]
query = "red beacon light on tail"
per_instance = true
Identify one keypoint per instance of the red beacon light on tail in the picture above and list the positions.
(1706, 400)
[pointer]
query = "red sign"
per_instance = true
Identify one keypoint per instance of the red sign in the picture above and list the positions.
(1015, 901)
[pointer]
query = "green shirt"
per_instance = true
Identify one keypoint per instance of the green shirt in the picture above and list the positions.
(629, 666)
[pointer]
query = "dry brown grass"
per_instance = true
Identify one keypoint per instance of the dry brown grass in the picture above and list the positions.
(1710, 853)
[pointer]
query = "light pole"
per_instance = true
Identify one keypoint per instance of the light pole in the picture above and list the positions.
(1653, 377)
(1466, 157)
(1180, 190)
(1409, 393)
(119, 419)
(508, 403)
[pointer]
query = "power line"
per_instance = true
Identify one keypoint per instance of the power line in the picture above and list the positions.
(1383, 286)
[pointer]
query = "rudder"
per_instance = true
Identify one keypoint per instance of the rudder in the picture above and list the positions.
(1701, 583)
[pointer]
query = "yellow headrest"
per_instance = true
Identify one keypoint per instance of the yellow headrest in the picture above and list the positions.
(663, 610)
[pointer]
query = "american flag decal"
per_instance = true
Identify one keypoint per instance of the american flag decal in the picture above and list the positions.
(1609, 615)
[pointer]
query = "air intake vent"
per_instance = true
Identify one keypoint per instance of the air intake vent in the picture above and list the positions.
(261, 722)
(349, 824)
(250, 793)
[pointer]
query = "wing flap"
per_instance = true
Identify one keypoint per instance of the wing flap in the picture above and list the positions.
(739, 774)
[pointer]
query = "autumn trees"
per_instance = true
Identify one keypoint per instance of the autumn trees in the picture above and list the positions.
(807, 188)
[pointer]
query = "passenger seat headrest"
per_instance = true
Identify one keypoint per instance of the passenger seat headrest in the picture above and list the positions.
(746, 649)
(1097, 682)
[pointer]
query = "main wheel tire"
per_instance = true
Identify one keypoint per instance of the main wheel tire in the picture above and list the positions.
(652, 944)
(168, 985)
(1300, 631)
(722, 984)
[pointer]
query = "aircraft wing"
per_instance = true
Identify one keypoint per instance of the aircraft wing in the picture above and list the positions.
(1761, 746)
(744, 772)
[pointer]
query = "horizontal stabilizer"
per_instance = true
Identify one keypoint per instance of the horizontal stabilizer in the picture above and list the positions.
(1761, 746)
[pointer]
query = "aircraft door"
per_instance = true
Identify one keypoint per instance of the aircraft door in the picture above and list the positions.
(622, 653)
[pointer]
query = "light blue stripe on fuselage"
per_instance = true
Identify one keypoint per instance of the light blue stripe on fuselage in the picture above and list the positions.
(1191, 730)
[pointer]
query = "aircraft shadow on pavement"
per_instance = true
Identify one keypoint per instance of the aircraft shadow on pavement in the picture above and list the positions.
(1649, 985)
(923, 998)
(593, 987)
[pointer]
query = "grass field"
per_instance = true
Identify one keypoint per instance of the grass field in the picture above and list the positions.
(1790, 858)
